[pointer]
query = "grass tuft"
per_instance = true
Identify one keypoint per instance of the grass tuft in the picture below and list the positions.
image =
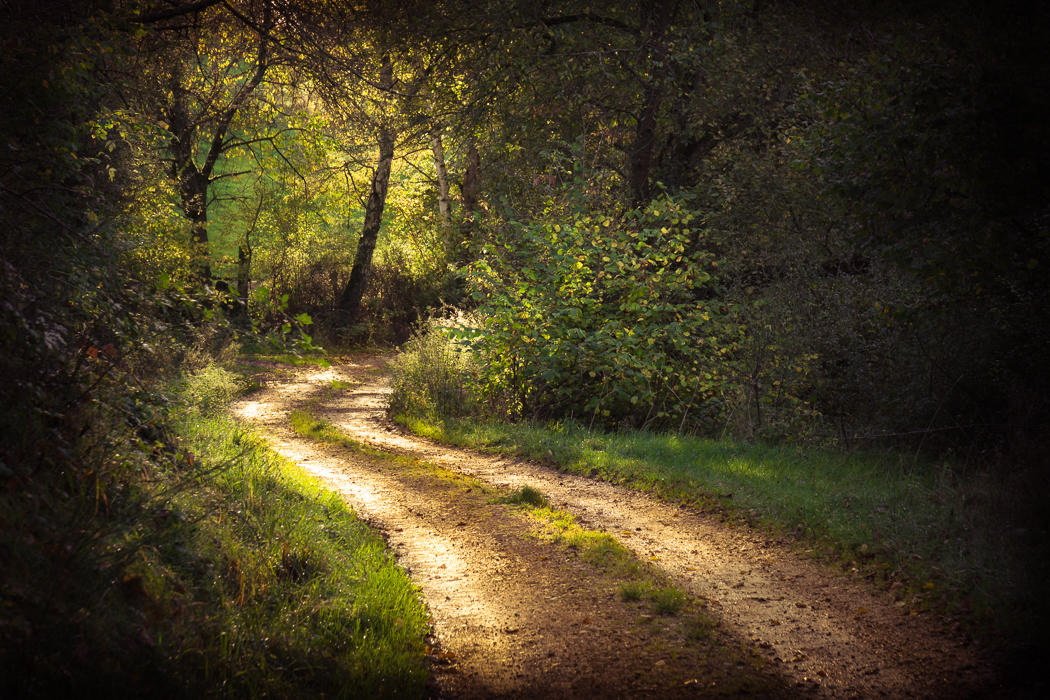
(667, 600)
(525, 496)
(631, 591)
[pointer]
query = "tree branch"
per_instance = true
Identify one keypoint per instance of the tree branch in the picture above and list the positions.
(162, 15)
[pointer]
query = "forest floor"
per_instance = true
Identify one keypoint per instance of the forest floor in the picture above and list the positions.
(514, 615)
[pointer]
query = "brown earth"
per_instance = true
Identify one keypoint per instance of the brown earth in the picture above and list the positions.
(515, 616)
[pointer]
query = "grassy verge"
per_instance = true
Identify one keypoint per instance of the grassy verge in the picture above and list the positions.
(205, 565)
(300, 596)
(960, 541)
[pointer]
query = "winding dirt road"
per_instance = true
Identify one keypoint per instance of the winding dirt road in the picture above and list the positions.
(514, 616)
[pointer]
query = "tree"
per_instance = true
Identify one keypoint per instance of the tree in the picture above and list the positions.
(207, 62)
(350, 299)
(375, 84)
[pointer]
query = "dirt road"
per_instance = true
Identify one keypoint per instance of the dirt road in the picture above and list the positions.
(514, 616)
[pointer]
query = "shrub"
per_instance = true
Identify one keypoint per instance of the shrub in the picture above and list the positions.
(433, 376)
(614, 322)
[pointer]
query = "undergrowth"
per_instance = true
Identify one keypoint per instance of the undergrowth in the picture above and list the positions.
(309, 590)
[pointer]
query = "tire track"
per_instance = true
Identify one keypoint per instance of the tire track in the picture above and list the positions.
(827, 633)
(512, 616)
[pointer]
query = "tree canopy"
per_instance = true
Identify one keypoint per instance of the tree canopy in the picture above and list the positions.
(773, 219)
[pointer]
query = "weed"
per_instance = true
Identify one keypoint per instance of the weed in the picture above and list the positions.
(666, 600)
(525, 496)
(631, 591)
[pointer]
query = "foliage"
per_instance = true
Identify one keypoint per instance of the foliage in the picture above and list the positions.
(624, 305)
(855, 204)
(431, 375)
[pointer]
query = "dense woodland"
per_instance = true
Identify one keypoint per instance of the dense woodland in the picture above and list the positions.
(778, 221)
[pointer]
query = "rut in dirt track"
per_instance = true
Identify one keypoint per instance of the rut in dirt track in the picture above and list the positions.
(512, 616)
(824, 632)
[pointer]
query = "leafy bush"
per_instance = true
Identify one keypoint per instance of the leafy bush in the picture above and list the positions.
(207, 390)
(614, 322)
(433, 376)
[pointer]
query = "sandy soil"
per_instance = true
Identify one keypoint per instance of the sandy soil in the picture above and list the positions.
(513, 616)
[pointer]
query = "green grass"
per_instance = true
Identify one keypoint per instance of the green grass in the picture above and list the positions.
(337, 385)
(308, 425)
(631, 591)
(525, 496)
(637, 580)
(666, 600)
(201, 561)
(961, 541)
(599, 549)
(301, 596)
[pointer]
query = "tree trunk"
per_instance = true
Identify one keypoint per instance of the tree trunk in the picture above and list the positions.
(655, 20)
(469, 191)
(642, 148)
(442, 177)
(350, 299)
(471, 180)
(194, 196)
(244, 275)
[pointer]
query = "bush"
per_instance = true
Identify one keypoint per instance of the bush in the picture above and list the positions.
(434, 375)
(208, 389)
(614, 322)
